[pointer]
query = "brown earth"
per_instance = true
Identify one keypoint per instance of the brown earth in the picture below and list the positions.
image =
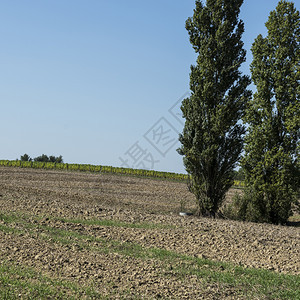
(50, 198)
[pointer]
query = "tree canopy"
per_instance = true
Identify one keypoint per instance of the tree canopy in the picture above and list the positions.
(212, 138)
(271, 160)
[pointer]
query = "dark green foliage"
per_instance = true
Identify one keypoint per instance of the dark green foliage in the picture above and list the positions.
(212, 137)
(42, 158)
(51, 158)
(58, 159)
(239, 174)
(25, 157)
(271, 161)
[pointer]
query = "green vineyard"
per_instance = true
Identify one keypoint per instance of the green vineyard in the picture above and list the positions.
(92, 168)
(99, 169)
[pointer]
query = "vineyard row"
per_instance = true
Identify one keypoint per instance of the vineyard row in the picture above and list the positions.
(98, 169)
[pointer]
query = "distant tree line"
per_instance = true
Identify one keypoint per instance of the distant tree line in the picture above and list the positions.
(42, 158)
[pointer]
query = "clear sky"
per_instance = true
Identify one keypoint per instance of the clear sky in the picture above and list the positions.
(100, 82)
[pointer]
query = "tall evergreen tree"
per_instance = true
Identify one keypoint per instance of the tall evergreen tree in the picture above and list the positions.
(271, 161)
(212, 137)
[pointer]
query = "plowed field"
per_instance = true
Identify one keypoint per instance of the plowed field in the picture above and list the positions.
(72, 234)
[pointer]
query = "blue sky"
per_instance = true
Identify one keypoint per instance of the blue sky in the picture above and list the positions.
(100, 82)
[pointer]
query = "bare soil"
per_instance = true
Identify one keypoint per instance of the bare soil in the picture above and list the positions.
(49, 198)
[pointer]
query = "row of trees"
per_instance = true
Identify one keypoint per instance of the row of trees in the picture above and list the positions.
(43, 158)
(224, 120)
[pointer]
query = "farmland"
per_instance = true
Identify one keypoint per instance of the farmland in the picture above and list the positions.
(99, 235)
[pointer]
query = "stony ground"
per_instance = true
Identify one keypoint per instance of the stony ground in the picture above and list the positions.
(101, 212)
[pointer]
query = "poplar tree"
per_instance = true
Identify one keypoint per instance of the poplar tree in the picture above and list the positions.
(212, 138)
(271, 160)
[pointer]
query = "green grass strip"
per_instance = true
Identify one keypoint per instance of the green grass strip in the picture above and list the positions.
(114, 223)
(20, 282)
